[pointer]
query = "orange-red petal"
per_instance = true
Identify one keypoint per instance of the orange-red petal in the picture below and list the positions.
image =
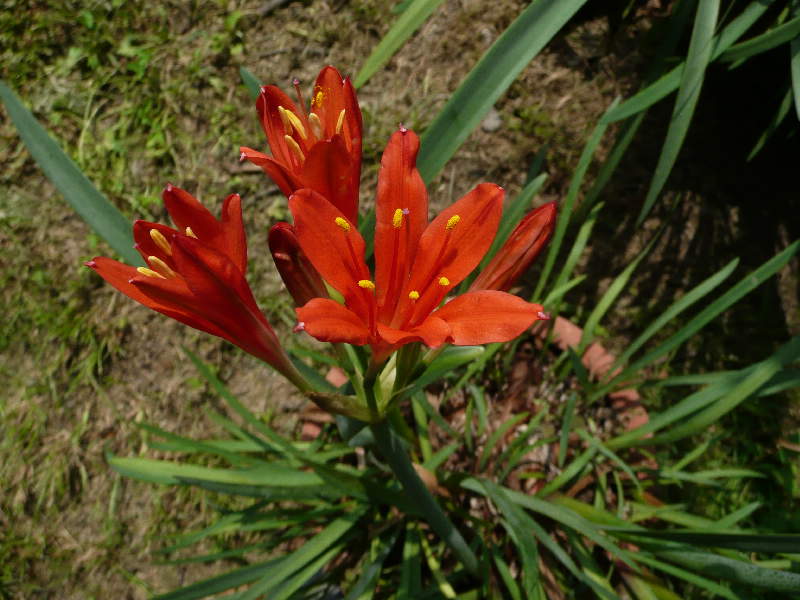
(327, 171)
(270, 98)
(282, 176)
(329, 321)
(433, 332)
(487, 316)
(400, 187)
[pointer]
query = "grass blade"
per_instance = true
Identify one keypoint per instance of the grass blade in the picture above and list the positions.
(672, 80)
(794, 51)
(697, 60)
(102, 216)
(766, 41)
(484, 84)
(407, 23)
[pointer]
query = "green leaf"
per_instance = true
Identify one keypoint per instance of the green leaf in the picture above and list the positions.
(498, 434)
(670, 82)
(697, 60)
(794, 53)
(251, 82)
(746, 285)
(782, 34)
(220, 583)
(371, 569)
(774, 123)
(412, 17)
(745, 542)
(88, 202)
(411, 566)
(701, 582)
(495, 71)
(738, 571)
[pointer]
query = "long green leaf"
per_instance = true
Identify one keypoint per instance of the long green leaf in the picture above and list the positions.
(794, 67)
(226, 581)
(697, 60)
(407, 23)
(746, 285)
(88, 202)
(738, 571)
(495, 71)
(672, 80)
(766, 41)
(745, 542)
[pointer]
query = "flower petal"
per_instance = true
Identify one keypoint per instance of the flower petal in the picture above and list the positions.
(487, 316)
(298, 274)
(283, 177)
(519, 251)
(433, 332)
(147, 246)
(327, 172)
(233, 231)
(270, 98)
(335, 250)
(176, 306)
(400, 187)
(329, 321)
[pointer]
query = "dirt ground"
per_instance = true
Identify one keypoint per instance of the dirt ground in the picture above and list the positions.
(82, 365)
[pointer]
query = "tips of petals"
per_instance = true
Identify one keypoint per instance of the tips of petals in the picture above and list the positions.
(242, 157)
(543, 316)
(168, 187)
(91, 264)
(402, 128)
(299, 327)
(263, 89)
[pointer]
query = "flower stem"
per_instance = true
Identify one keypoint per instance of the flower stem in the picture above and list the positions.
(394, 453)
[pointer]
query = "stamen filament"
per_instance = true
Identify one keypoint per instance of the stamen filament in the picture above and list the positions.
(160, 241)
(149, 272)
(160, 267)
(340, 122)
(316, 125)
(295, 148)
(296, 123)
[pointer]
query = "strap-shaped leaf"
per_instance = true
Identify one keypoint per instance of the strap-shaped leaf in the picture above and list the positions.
(88, 202)
(697, 60)
(407, 23)
(495, 71)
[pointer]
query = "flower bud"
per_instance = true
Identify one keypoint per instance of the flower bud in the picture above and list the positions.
(297, 272)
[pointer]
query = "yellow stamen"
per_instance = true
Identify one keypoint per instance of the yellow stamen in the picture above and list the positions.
(294, 147)
(287, 124)
(452, 222)
(397, 218)
(413, 295)
(296, 122)
(149, 272)
(316, 125)
(160, 241)
(318, 99)
(366, 284)
(444, 281)
(340, 122)
(343, 224)
(160, 267)
(190, 233)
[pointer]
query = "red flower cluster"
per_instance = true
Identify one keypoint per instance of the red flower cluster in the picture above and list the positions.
(196, 272)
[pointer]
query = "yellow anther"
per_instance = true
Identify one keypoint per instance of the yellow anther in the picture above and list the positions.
(340, 122)
(296, 122)
(318, 99)
(316, 125)
(190, 233)
(452, 222)
(366, 284)
(287, 124)
(160, 241)
(397, 218)
(413, 295)
(343, 224)
(294, 147)
(160, 267)
(444, 281)
(149, 272)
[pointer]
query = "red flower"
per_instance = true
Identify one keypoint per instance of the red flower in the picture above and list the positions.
(298, 274)
(520, 250)
(196, 275)
(416, 265)
(319, 150)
